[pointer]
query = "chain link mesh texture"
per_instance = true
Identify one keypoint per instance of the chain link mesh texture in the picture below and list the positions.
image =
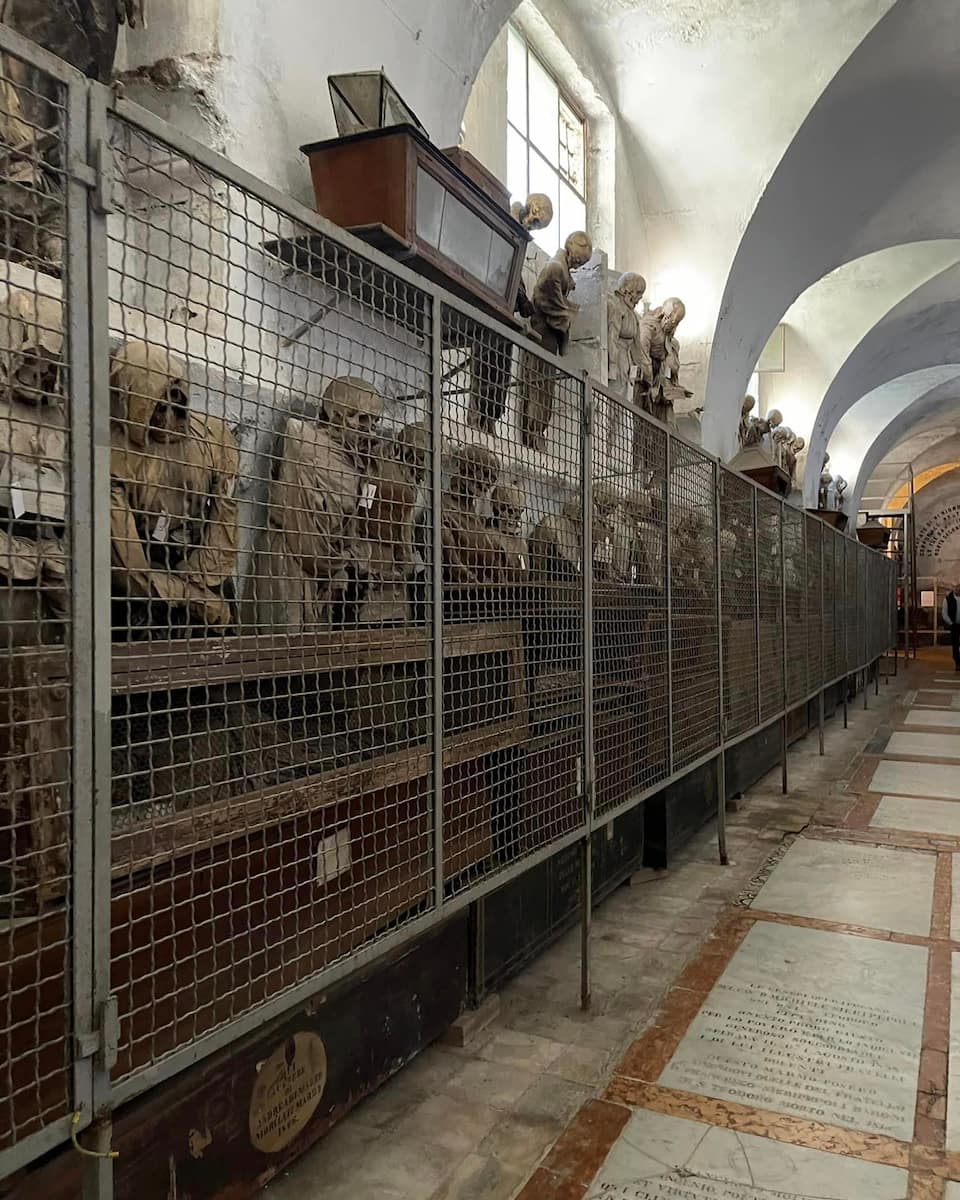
(738, 586)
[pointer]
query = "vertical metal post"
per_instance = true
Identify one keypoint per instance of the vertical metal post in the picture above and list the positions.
(589, 757)
(436, 587)
(783, 639)
(756, 598)
(820, 721)
(668, 547)
(721, 716)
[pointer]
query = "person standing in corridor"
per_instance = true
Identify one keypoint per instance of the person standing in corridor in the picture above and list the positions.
(951, 618)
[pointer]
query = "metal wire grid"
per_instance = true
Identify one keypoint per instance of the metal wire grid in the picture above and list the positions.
(36, 610)
(794, 566)
(513, 588)
(770, 604)
(272, 602)
(814, 580)
(738, 584)
(863, 603)
(629, 594)
(851, 605)
(829, 568)
(695, 650)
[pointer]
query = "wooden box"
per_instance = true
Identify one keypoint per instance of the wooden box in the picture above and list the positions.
(396, 190)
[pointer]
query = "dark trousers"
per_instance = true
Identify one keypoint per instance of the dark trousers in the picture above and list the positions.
(955, 641)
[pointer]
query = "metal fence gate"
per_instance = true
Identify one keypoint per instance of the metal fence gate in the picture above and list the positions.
(314, 629)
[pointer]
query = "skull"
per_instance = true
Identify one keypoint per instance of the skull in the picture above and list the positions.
(630, 287)
(537, 213)
(774, 418)
(475, 471)
(508, 505)
(353, 409)
(148, 393)
(673, 311)
(799, 444)
(748, 405)
(31, 347)
(413, 446)
(579, 249)
(572, 509)
(782, 435)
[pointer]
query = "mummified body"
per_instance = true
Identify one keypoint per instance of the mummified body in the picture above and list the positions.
(313, 552)
(173, 510)
(508, 505)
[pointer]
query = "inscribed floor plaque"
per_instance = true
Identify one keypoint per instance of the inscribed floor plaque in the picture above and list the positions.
(873, 886)
(945, 718)
(924, 745)
(918, 816)
(819, 1025)
(667, 1158)
(937, 780)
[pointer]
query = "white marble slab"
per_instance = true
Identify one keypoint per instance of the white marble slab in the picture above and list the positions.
(924, 745)
(953, 1059)
(668, 1158)
(944, 717)
(875, 886)
(955, 898)
(939, 781)
(825, 1026)
(952, 1192)
(918, 816)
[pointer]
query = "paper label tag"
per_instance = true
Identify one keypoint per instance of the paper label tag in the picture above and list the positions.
(161, 531)
(18, 501)
(523, 563)
(367, 495)
(333, 856)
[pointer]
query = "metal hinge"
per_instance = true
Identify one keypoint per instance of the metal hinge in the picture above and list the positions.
(102, 1041)
(100, 177)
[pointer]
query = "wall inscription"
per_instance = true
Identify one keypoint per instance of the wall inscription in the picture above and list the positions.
(287, 1091)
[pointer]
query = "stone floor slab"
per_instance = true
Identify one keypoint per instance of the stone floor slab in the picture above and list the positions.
(955, 907)
(945, 718)
(952, 1192)
(924, 745)
(658, 1157)
(953, 1080)
(939, 781)
(820, 1025)
(918, 816)
(874, 886)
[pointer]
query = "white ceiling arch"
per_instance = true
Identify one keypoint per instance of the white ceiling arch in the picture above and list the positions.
(875, 164)
(919, 452)
(931, 403)
(881, 373)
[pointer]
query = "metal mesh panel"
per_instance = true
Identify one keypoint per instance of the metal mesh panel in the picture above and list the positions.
(36, 618)
(693, 572)
(864, 601)
(814, 576)
(794, 570)
(738, 583)
(513, 590)
(851, 604)
(770, 604)
(271, 602)
(829, 604)
(629, 603)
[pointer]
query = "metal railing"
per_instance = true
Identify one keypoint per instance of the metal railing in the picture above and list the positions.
(330, 605)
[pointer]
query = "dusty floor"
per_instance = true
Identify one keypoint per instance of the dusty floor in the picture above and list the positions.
(776, 1028)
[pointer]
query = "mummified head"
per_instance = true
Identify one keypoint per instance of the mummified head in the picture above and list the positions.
(149, 393)
(630, 288)
(537, 213)
(508, 504)
(413, 446)
(475, 471)
(353, 408)
(31, 348)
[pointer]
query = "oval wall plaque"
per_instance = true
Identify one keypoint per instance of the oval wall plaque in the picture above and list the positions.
(288, 1089)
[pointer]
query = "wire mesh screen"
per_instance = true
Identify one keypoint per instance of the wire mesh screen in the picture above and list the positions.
(738, 583)
(829, 568)
(629, 602)
(814, 577)
(513, 581)
(794, 573)
(851, 601)
(770, 604)
(36, 618)
(271, 601)
(693, 572)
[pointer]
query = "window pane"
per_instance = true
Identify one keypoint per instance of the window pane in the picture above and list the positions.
(516, 166)
(543, 178)
(430, 196)
(573, 213)
(516, 81)
(465, 238)
(571, 147)
(544, 102)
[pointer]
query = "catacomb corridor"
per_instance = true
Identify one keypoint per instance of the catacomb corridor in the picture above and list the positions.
(479, 599)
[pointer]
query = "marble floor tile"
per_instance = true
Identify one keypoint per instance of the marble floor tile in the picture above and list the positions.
(952, 1192)
(945, 718)
(936, 780)
(658, 1157)
(924, 745)
(953, 1080)
(919, 816)
(820, 1025)
(955, 900)
(874, 886)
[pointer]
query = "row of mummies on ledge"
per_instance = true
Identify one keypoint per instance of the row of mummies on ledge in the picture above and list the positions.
(346, 534)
